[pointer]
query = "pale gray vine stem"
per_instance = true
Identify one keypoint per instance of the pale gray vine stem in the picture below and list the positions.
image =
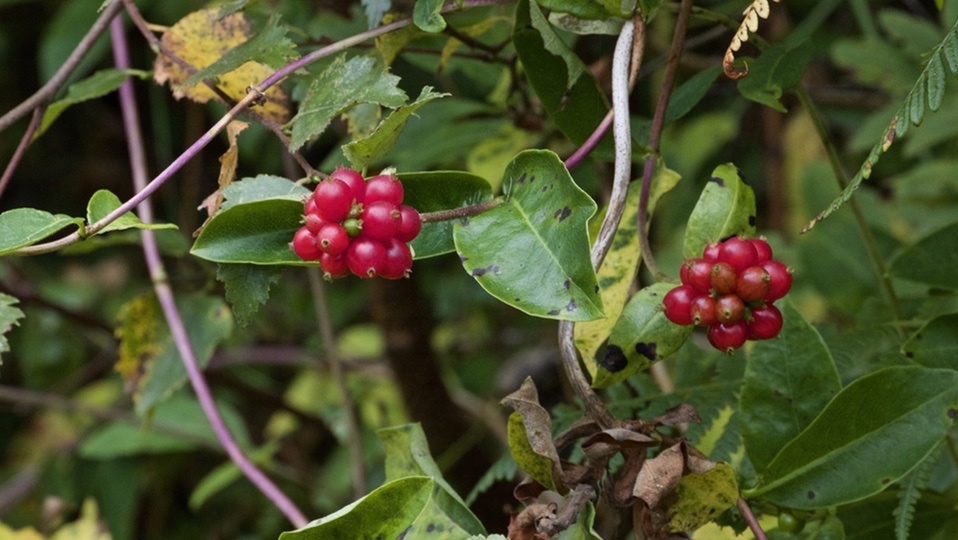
(167, 302)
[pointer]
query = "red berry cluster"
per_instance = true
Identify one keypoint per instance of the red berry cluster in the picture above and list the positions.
(730, 289)
(359, 226)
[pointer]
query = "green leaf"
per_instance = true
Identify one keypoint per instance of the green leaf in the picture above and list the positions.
(341, 85)
(532, 251)
(375, 9)
(788, 381)
(911, 487)
(562, 82)
(931, 260)
(207, 321)
(779, 68)
(690, 93)
(103, 202)
(935, 344)
(257, 232)
(263, 186)
(371, 149)
(97, 85)
(226, 474)
(702, 496)
(426, 15)
(587, 9)
(641, 336)
(872, 433)
(407, 454)
(247, 287)
(270, 46)
(619, 267)
(725, 208)
(22, 227)
(386, 512)
(9, 316)
(433, 191)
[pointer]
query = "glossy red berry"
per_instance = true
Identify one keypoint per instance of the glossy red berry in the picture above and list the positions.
(411, 224)
(309, 207)
(729, 308)
(678, 302)
(712, 251)
(365, 257)
(357, 186)
(334, 266)
(702, 311)
(700, 275)
(332, 239)
(765, 322)
(752, 284)
(398, 260)
(385, 187)
(333, 200)
(723, 278)
(313, 222)
(728, 337)
(304, 245)
(381, 220)
(762, 249)
(738, 252)
(779, 280)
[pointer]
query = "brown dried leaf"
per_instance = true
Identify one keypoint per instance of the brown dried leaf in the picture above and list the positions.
(228, 162)
(758, 9)
(660, 475)
(538, 428)
(601, 446)
(199, 39)
(683, 413)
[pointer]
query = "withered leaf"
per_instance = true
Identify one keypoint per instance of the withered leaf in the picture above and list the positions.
(660, 475)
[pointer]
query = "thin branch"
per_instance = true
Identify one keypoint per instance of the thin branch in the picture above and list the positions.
(164, 294)
(655, 134)
(569, 513)
(22, 147)
(459, 213)
(753, 523)
(354, 436)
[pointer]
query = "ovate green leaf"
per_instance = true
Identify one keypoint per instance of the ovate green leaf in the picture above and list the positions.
(532, 251)
(262, 187)
(871, 434)
(247, 287)
(788, 381)
(22, 227)
(641, 336)
(97, 85)
(935, 344)
(252, 233)
(103, 202)
(725, 208)
(426, 15)
(931, 261)
(779, 68)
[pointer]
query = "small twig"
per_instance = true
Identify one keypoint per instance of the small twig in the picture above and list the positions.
(354, 436)
(753, 523)
(459, 213)
(167, 302)
(22, 147)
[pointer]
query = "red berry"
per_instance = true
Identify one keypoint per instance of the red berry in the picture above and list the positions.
(381, 220)
(385, 187)
(738, 252)
(304, 245)
(723, 278)
(677, 303)
(779, 280)
(357, 186)
(313, 222)
(712, 251)
(752, 284)
(729, 309)
(309, 207)
(700, 275)
(333, 200)
(365, 257)
(332, 239)
(398, 260)
(411, 224)
(762, 248)
(334, 266)
(728, 337)
(766, 322)
(702, 311)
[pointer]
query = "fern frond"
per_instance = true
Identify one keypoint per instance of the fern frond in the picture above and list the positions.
(758, 9)
(926, 95)
(504, 468)
(911, 487)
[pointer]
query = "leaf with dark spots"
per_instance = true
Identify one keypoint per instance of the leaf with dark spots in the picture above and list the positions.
(566, 284)
(614, 359)
(646, 349)
(554, 312)
(724, 209)
(571, 306)
(521, 179)
(718, 181)
(562, 213)
(532, 178)
(751, 220)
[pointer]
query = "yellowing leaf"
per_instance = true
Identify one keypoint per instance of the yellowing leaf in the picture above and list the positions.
(138, 340)
(200, 39)
(702, 497)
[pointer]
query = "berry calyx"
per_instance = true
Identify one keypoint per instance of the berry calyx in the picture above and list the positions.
(728, 337)
(677, 304)
(729, 309)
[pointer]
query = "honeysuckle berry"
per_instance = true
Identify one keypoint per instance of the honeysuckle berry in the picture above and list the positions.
(381, 219)
(712, 251)
(728, 337)
(304, 245)
(411, 224)
(729, 308)
(722, 278)
(699, 274)
(333, 200)
(702, 311)
(334, 266)
(313, 222)
(738, 252)
(765, 322)
(779, 280)
(398, 261)
(365, 257)
(385, 187)
(752, 284)
(678, 302)
(762, 249)
(357, 186)
(332, 239)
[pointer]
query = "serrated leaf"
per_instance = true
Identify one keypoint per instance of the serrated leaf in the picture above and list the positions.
(201, 39)
(247, 287)
(529, 433)
(99, 84)
(341, 85)
(263, 186)
(725, 208)
(788, 381)
(426, 15)
(931, 260)
(641, 336)
(386, 512)
(375, 9)
(871, 434)
(433, 191)
(702, 497)
(22, 227)
(407, 454)
(532, 251)
(935, 344)
(257, 232)
(9, 316)
(371, 149)
(619, 267)
(104, 201)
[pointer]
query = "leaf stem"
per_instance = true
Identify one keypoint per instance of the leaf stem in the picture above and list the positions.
(753, 523)
(167, 302)
(25, 141)
(462, 212)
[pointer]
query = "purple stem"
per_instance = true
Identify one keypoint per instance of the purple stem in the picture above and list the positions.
(753, 523)
(589, 145)
(165, 294)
